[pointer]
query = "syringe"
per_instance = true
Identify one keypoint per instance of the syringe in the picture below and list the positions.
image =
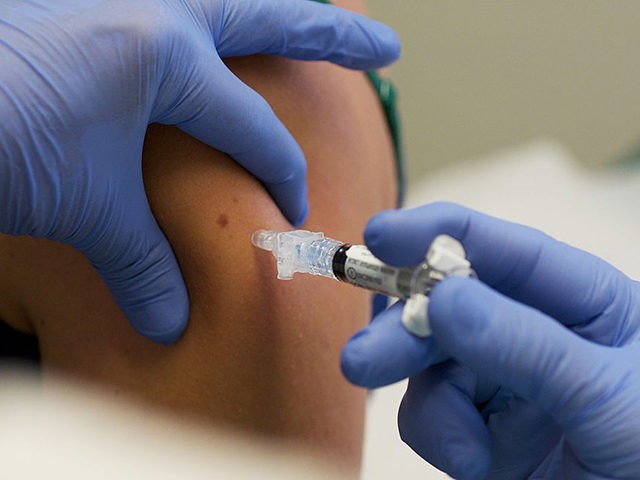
(311, 252)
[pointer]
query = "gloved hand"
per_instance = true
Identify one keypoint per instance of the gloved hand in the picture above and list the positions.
(531, 372)
(80, 80)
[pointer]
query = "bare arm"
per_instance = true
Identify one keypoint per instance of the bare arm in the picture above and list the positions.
(259, 354)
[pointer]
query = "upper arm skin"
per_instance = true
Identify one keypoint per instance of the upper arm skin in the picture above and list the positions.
(258, 353)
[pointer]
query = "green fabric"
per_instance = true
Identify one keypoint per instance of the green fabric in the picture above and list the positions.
(387, 93)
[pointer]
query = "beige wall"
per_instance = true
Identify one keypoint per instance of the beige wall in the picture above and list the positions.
(477, 76)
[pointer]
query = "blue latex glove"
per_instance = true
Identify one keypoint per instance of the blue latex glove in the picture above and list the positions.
(80, 80)
(532, 372)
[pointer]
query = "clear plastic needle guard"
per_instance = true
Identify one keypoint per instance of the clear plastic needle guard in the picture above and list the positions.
(301, 251)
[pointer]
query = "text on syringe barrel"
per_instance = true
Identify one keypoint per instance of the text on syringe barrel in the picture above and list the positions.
(356, 265)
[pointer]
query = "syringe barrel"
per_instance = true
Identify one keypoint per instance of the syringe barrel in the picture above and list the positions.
(311, 252)
(356, 265)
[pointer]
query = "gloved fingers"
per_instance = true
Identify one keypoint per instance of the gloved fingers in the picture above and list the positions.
(518, 347)
(221, 111)
(379, 304)
(301, 30)
(572, 467)
(136, 262)
(562, 463)
(439, 421)
(385, 352)
(519, 261)
(522, 436)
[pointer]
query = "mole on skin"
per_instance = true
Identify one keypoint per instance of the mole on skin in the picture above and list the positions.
(222, 220)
